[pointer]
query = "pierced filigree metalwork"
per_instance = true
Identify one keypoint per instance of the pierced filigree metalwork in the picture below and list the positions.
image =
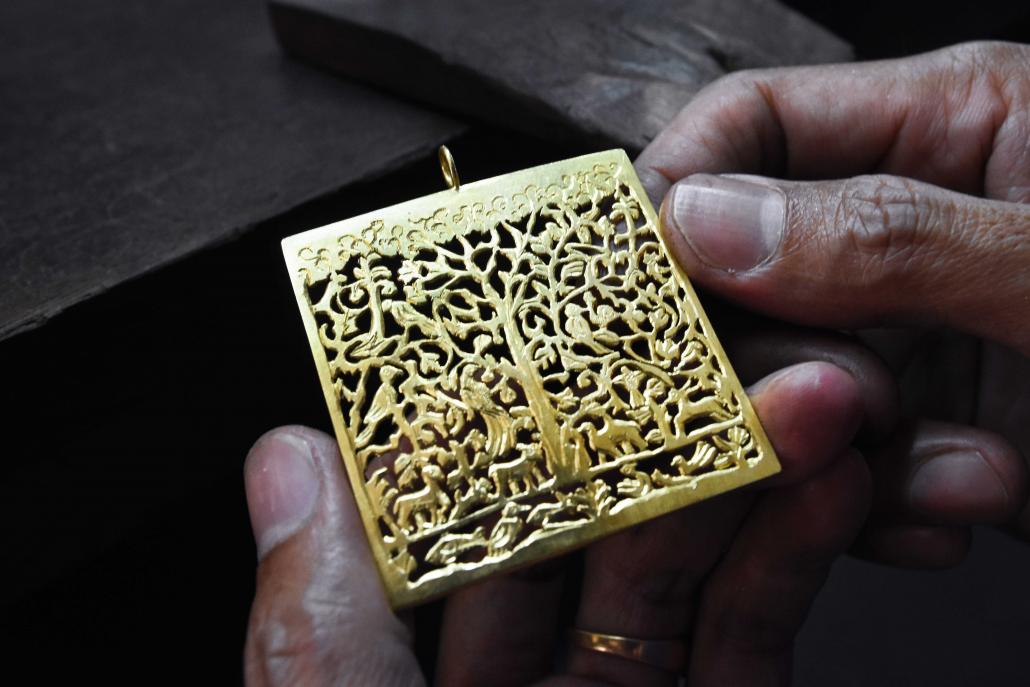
(515, 368)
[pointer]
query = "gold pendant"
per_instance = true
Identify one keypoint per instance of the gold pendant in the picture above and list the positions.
(515, 368)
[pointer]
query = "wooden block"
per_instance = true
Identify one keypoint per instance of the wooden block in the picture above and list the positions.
(132, 136)
(611, 71)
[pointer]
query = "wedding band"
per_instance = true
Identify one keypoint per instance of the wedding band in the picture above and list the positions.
(666, 654)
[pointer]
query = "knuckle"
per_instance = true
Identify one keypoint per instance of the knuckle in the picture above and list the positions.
(887, 223)
(742, 80)
(990, 54)
(737, 87)
(1002, 66)
(293, 645)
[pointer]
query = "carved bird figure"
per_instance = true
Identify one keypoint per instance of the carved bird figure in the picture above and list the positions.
(477, 397)
(577, 326)
(507, 529)
(384, 404)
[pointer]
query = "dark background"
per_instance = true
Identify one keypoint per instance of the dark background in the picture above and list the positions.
(127, 550)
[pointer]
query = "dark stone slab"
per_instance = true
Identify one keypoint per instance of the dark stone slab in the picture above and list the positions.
(133, 134)
(613, 71)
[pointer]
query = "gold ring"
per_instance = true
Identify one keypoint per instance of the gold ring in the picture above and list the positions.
(666, 654)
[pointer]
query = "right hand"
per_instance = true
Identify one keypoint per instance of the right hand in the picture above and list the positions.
(917, 217)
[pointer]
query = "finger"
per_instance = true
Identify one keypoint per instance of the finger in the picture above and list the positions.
(933, 547)
(642, 583)
(955, 117)
(1003, 405)
(759, 350)
(935, 473)
(320, 615)
(758, 596)
(860, 252)
(502, 631)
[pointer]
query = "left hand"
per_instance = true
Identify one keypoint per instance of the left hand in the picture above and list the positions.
(733, 576)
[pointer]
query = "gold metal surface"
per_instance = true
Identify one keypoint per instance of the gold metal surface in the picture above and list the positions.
(667, 654)
(450, 172)
(515, 367)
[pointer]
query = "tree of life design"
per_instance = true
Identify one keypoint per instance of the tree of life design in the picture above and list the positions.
(518, 367)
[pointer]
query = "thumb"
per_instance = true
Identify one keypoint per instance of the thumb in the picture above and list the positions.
(865, 251)
(320, 616)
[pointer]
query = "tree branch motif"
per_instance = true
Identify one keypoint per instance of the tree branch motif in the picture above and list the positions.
(510, 370)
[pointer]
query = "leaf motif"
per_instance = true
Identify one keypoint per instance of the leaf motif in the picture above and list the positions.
(546, 354)
(408, 272)
(480, 343)
(604, 228)
(667, 348)
(603, 315)
(429, 363)
(659, 318)
(508, 394)
(579, 328)
(574, 269)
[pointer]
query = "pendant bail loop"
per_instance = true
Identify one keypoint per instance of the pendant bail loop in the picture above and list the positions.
(450, 172)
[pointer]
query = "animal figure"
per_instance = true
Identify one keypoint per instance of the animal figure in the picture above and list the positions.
(542, 514)
(638, 484)
(616, 438)
(451, 546)
(687, 410)
(557, 514)
(381, 493)
(687, 470)
(579, 328)
(431, 500)
(519, 475)
(384, 405)
(507, 529)
(478, 492)
(477, 398)
(463, 471)
(704, 454)
(705, 379)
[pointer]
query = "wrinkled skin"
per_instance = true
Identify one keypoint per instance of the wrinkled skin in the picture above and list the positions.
(735, 576)
(922, 225)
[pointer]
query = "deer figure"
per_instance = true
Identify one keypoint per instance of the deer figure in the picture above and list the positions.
(522, 472)
(431, 500)
(712, 406)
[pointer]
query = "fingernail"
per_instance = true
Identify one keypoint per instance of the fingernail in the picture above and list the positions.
(282, 488)
(959, 483)
(730, 224)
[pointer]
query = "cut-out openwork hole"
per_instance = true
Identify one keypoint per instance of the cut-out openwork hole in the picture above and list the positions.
(517, 372)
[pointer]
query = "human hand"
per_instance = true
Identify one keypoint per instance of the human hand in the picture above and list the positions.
(933, 231)
(734, 574)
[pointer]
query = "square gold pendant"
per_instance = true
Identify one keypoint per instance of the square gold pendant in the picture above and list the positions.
(515, 368)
